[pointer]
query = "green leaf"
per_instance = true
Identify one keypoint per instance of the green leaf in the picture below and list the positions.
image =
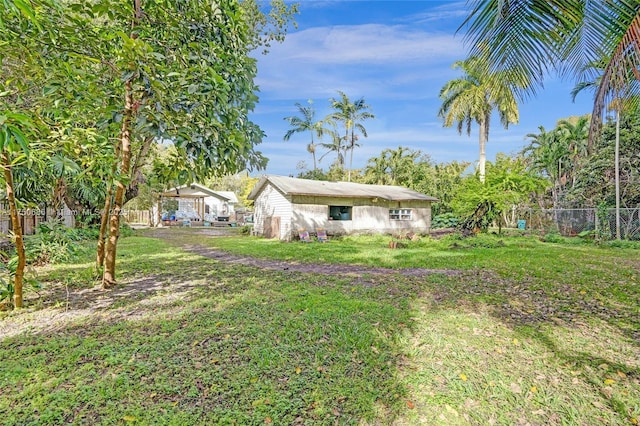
(2, 140)
(26, 10)
(23, 119)
(5, 138)
(19, 137)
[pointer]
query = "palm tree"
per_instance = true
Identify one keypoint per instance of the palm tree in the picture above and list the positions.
(575, 136)
(351, 115)
(531, 38)
(336, 146)
(548, 154)
(616, 104)
(473, 97)
(306, 123)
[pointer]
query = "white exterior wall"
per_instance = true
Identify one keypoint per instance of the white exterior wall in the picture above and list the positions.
(217, 206)
(312, 213)
(268, 204)
(364, 219)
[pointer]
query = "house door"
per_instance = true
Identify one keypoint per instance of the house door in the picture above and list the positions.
(272, 227)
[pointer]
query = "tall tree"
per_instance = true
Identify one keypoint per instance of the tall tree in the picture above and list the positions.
(473, 97)
(401, 166)
(337, 145)
(574, 134)
(618, 105)
(306, 122)
(548, 156)
(508, 186)
(189, 79)
(20, 102)
(351, 115)
(168, 70)
(531, 38)
(559, 155)
(595, 181)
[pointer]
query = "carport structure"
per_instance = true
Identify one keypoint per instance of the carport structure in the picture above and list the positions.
(199, 204)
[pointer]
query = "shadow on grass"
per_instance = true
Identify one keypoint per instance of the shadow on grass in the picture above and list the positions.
(192, 340)
(195, 341)
(590, 344)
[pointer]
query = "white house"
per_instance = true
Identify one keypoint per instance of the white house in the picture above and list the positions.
(199, 203)
(283, 206)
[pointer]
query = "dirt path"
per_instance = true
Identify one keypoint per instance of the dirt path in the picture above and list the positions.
(174, 235)
(314, 268)
(58, 306)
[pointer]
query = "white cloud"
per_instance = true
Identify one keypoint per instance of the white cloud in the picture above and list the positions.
(457, 11)
(369, 59)
(371, 43)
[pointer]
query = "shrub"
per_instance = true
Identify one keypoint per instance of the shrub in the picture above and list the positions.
(7, 277)
(445, 220)
(553, 237)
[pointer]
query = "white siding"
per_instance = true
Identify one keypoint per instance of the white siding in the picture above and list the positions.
(218, 206)
(312, 213)
(269, 204)
(364, 218)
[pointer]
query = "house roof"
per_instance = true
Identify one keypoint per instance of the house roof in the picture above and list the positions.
(229, 195)
(195, 190)
(295, 186)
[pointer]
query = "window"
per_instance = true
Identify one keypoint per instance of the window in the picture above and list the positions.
(400, 214)
(340, 212)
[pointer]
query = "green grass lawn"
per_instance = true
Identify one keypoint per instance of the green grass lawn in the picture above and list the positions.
(525, 333)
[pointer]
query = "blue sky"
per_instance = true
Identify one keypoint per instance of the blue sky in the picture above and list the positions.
(397, 55)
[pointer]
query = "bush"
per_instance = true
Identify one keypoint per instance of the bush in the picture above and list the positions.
(246, 229)
(459, 240)
(623, 244)
(553, 237)
(446, 220)
(7, 277)
(55, 243)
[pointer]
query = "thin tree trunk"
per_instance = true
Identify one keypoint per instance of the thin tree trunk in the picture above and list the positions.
(353, 144)
(483, 155)
(104, 217)
(103, 228)
(617, 173)
(136, 170)
(109, 274)
(17, 231)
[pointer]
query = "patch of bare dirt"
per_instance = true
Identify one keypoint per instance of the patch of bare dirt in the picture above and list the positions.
(313, 268)
(174, 235)
(59, 306)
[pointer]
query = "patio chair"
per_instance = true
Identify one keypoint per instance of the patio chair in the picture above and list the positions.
(321, 234)
(304, 236)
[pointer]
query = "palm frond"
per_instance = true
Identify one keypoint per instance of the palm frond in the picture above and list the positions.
(620, 77)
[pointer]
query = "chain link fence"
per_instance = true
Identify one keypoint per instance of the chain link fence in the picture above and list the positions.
(574, 222)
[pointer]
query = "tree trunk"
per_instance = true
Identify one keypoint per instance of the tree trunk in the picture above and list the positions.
(353, 144)
(104, 219)
(136, 170)
(482, 161)
(617, 173)
(17, 231)
(109, 274)
(124, 150)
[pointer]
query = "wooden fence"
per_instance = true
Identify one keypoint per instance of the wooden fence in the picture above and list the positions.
(30, 218)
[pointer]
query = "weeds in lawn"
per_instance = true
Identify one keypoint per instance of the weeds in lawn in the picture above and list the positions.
(527, 333)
